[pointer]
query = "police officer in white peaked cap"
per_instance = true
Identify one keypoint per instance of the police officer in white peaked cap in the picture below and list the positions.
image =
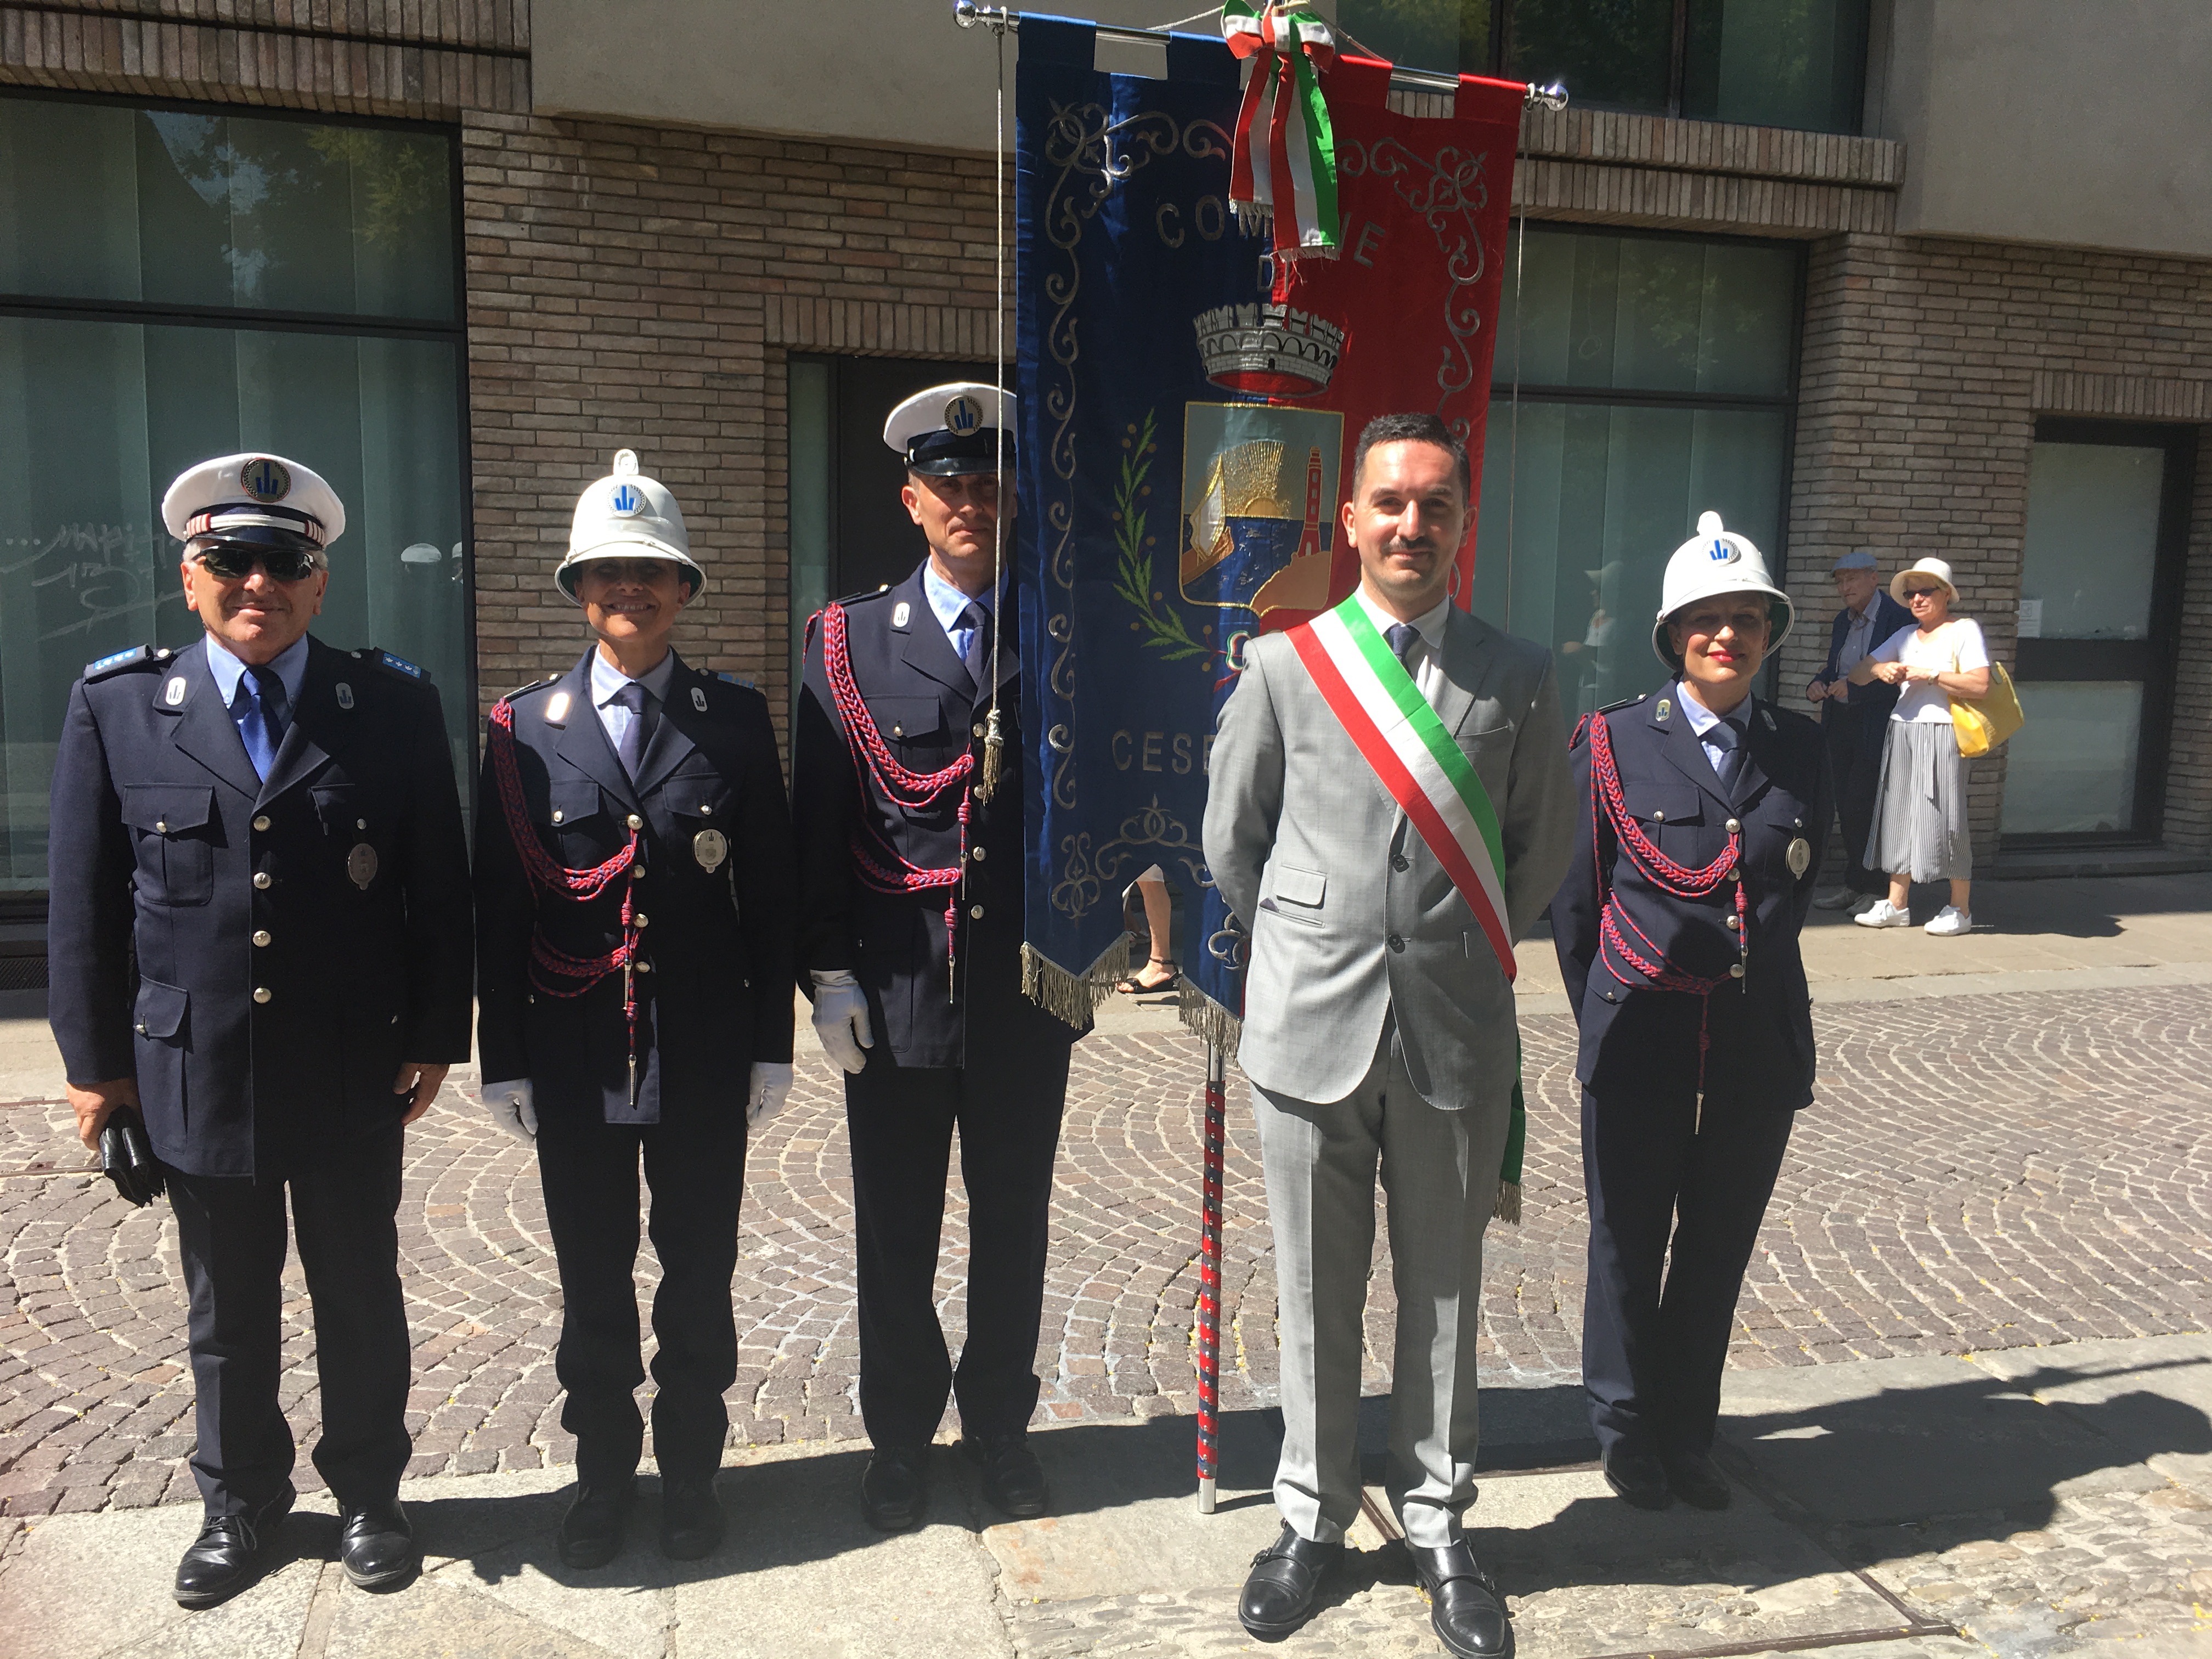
(910, 926)
(259, 938)
(1705, 808)
(634, 883)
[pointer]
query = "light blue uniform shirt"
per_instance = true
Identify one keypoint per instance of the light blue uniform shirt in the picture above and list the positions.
(291, 667)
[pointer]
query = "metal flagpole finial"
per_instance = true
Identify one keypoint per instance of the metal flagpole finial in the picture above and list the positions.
(969, 15)
(1551, 97)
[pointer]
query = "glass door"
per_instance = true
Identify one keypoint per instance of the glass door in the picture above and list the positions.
(2099, 609)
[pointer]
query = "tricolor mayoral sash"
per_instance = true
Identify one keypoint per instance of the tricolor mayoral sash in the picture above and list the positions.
(1435, 785)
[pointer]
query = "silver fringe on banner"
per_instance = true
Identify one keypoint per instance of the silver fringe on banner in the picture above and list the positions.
(1075, 997)
(1203, 1017)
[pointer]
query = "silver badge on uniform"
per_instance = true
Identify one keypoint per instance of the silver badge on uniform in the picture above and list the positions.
(1665, 708)
(1800, 856)
(699, 698)
(900, 612)
(175, 694)
(710, 848)
(360, 865)
(345, 695)
(557, 708)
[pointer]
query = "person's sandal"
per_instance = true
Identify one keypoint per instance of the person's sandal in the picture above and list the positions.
(1136, 985)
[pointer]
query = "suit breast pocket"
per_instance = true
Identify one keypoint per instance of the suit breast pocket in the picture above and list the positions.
(1296, 895)
(175, 828)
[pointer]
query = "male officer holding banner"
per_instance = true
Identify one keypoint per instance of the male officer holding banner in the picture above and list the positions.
(1390, 810)
(260, 938)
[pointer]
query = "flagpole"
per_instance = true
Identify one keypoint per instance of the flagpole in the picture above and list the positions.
(1002, 20)
(1209, 1277)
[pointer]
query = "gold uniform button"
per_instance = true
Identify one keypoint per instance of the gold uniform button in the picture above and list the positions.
(898, 731)
(706, 812)
(644, 967)
(161, 826)
(261, 936)
(261, 878)
(361, 824)
(262, 821)
(1735, 971)
(1733, 825)
(262, 994)
(976, 852)
(978, 730)
(1730, 924)
(1658, 817)
(976, 911)
(642, 919)
(558, 815)
(635, 822)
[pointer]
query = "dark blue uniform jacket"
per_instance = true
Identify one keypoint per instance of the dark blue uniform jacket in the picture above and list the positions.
(929, 711)
(184, 887)
(1635, 1037)
(714, 991)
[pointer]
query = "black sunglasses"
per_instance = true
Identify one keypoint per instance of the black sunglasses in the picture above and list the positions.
(232, 563)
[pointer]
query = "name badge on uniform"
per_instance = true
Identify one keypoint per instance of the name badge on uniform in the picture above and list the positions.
(1800, 856)
(699, 698)
(345, 695)
(360, 865)
(710, 848)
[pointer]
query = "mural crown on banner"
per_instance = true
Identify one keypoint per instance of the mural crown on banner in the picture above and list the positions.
(1268, 350)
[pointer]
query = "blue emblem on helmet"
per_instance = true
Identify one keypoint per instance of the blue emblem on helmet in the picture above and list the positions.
(1722, 552)
(628, 500)
(266, 479)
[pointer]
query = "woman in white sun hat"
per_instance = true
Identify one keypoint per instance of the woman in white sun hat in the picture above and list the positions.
(1919, 829)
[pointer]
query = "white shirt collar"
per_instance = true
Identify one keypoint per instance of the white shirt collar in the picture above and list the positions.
(291, 667)
(947, 602)
(1430, 623)
(607, 680)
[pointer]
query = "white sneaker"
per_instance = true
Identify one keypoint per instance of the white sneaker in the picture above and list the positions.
(1882, 914)
(1949, 920)
(1834, 898)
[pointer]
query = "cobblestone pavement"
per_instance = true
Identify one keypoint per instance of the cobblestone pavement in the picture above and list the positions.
(1980, 1173)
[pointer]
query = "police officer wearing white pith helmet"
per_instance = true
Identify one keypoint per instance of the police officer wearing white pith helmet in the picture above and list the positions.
(259, 937)
(911, 928)
(1705, 808)
(633, 909)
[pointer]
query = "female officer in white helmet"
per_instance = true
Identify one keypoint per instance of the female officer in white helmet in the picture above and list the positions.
(1703, 810)
(634, 883)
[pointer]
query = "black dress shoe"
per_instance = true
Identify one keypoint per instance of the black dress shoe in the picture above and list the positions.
(1697, 1480)
(376, 1546)
(1463, 1606)
(1639, 1477)
(1013, 1480)
(1279, 1589)
(591, 1531)
(691, 1522)
(228, 1556)
(895, 1487)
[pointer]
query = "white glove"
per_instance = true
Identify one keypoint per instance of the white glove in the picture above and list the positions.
(512, 1108)
(841, 1017)
(769, 1088)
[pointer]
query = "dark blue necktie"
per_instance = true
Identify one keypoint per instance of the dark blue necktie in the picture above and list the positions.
(1402, 637)
(639, 733)
(977, 620)
(1728, 738)
(261, 716)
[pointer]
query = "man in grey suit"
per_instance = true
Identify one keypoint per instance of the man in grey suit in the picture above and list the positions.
(1378, 1016)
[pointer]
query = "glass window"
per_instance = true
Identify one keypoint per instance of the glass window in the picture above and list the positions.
(1615, 52)
(1441, 34)
(1776, 63)
(2092, 543)
(1654, 386)
(2071, 769)
(119, 228)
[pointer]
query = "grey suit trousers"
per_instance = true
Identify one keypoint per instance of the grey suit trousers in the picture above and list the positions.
(1440, 1173)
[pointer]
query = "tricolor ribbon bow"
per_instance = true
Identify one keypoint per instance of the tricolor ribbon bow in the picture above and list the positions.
(1285, 167)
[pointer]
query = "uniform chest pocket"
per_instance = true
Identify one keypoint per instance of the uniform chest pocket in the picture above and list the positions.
(574, 807)
(343, 810)
(1656, 804)
(704, 796)
(908, 720)
(176, 829)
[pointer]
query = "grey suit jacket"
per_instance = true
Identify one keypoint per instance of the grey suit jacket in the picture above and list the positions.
(1350, 914)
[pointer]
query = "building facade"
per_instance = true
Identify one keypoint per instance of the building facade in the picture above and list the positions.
(1930, 277)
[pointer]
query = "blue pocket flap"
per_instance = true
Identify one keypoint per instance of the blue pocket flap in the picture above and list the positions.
(167, 809)
(161, 1010)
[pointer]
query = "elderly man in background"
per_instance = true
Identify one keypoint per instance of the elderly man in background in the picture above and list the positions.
(1853, 719)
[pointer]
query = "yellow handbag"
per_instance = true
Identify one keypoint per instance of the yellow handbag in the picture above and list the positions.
(1987, 721)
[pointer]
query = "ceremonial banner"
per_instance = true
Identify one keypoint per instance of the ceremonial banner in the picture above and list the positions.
(1189, 407)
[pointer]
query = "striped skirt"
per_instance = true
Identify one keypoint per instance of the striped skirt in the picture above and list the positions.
(1919, 827)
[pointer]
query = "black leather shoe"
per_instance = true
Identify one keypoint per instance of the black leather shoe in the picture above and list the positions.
(1639, 1477)
(228, 1555)
(691, 1522)
(376, 1546)
(1463, 1606)
(1013, 1480)
(591, 1531)
(895, 1487)
(1696, 1479)
(1279, 1589)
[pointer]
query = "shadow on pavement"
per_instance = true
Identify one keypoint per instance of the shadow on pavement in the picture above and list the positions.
(1982, 1446)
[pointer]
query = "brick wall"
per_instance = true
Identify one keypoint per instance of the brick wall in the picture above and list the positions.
(643, 288)
(1925, 364)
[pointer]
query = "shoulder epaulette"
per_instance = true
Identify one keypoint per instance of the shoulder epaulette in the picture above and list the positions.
(116, 662)
(534, 685)
(872, 593)
(1626, 703)
(732, 680)
(398, 665)
(1582, 725)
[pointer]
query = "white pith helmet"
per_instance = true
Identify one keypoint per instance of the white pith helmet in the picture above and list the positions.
(1718, 560)
(627, 515)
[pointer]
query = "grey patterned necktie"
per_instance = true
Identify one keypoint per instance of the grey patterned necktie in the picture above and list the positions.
(1728, 738)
